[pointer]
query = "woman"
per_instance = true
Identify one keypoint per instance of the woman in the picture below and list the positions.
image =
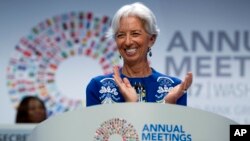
(31, 110)
(135, 31)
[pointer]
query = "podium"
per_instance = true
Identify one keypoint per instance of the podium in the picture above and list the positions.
(134, 122)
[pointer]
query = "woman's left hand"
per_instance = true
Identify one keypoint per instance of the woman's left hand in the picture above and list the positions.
(178, 91)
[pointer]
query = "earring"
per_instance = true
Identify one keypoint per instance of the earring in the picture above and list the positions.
(149, 52)
(120, 56)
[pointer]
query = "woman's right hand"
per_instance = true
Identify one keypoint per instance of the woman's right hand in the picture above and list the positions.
(125, 88)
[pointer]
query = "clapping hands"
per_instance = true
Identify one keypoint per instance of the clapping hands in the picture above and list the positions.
(130, 95)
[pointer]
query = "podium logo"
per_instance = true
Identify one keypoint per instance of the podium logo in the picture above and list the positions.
(239, 132)
(116, 129)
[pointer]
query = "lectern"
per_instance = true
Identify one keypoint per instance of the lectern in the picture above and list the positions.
(134, 122)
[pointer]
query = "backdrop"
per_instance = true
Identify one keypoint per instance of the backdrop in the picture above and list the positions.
(53, 48)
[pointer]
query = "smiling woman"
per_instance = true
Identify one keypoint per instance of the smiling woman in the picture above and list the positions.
(134, 30)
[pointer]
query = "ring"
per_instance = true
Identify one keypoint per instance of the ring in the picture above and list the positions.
(185, 90)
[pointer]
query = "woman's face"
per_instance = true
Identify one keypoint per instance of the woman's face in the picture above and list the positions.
(36, 111)
(132, 40)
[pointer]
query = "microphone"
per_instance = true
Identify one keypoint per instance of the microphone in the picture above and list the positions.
(141, 92)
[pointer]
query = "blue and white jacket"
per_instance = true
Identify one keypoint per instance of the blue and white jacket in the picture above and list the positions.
(153, 88)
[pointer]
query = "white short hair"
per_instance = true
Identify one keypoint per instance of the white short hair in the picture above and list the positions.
(135, 9)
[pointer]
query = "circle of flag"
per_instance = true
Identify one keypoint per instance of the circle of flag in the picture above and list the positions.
(35, 60)
(117, 126)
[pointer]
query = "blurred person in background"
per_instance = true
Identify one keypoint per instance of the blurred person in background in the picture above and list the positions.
(31, 110)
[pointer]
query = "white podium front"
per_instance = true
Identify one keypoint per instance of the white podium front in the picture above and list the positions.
(134, 122)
